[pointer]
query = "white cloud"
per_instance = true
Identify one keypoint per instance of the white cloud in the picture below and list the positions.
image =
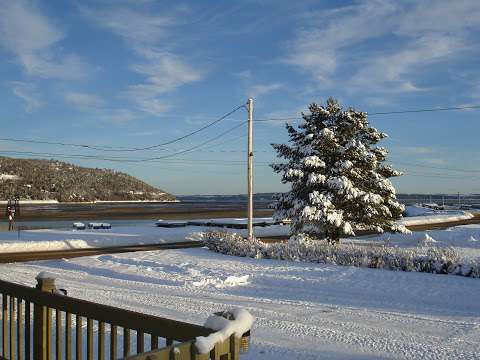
(244, 75)
(318, 50)
(32, 39)
(417, 150)
(167, 71)
(264, 89)
(434, 161)
(83, 101)
(146, 35)
(119, 116)
(381, 46)
(164, 73)
(391, 72)
(135, 27)
(27, 93)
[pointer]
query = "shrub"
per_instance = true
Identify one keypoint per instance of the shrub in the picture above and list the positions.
(426, 259)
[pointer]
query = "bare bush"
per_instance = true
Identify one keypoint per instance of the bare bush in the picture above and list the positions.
(426, 259)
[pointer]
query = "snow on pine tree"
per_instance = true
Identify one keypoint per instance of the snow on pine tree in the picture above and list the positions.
(338, 176)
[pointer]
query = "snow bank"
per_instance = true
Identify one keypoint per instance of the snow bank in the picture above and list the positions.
(43, 245)
(435, 219)
(241, 323)
(230, 281)
(427, 210)
(24, 202)
(429, 259)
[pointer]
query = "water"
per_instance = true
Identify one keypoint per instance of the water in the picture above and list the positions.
(21, 225)
(191, 204)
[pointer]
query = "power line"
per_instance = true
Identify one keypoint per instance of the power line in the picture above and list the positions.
(193, 132)
(453, 108)
(123, 159)
(435, 167)
(199, 145)
(125, 149)
(107, 148)
(440, 176)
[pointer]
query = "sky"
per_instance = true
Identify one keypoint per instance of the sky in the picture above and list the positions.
(132, 74)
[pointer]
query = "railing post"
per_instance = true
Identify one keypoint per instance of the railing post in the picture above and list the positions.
(41, 321)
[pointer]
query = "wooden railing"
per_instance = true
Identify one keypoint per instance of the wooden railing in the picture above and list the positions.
(31, 331)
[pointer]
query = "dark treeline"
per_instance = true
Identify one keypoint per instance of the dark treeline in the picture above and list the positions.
(55, 180)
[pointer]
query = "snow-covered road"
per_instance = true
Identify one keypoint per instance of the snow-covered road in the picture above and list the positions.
(303, 310)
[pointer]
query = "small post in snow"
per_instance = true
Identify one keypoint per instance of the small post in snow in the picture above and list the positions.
(250, 169)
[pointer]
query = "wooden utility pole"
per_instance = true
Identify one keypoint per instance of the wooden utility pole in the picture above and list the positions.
(250, 169)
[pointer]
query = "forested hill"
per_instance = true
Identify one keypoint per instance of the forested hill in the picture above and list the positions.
(55, 180)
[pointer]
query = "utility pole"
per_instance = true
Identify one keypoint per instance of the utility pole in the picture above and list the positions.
(250, 169)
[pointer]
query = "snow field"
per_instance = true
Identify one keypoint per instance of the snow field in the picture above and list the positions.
(301, 310)
(58, 239)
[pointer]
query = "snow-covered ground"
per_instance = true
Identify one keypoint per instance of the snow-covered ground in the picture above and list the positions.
(464, 238)
(61, 239)
(302, 310)
(419, 215)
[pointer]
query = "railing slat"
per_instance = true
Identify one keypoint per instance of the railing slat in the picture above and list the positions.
(4, 325)
(68, 336)
(12, 327)
(148, 324)
(17, 342)
(126, 342)
(154, 342)
(19, 330)
(140, 342)
(78, 336)
(101, 340)
(89, 339)
(49, 333)
(234, 347)
(113, 342)
(27, 331)
(58, 334)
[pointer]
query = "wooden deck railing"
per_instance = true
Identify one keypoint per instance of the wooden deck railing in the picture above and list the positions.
(31, 331)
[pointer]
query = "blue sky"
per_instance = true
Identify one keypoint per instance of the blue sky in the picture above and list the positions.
(138, 73)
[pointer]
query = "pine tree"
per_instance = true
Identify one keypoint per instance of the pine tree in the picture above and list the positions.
(338, 178)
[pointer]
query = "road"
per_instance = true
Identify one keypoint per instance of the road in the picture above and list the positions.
(73, 253)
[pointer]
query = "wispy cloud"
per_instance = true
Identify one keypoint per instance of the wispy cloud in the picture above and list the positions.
(434, 161)
(264, 89)
(319, 49)
(33, 40)
(146, 35)
(141, 28)
(164, 72)
(83, 101)
(118, 116)
(413, 150)
(27, 93)
(381, 46)
(243, 75)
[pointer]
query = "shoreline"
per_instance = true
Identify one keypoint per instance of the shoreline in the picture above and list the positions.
(126, 213)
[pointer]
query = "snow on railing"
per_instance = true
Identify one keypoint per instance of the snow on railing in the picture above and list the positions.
(237, 321)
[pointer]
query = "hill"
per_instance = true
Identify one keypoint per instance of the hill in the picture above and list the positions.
(31, 179)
